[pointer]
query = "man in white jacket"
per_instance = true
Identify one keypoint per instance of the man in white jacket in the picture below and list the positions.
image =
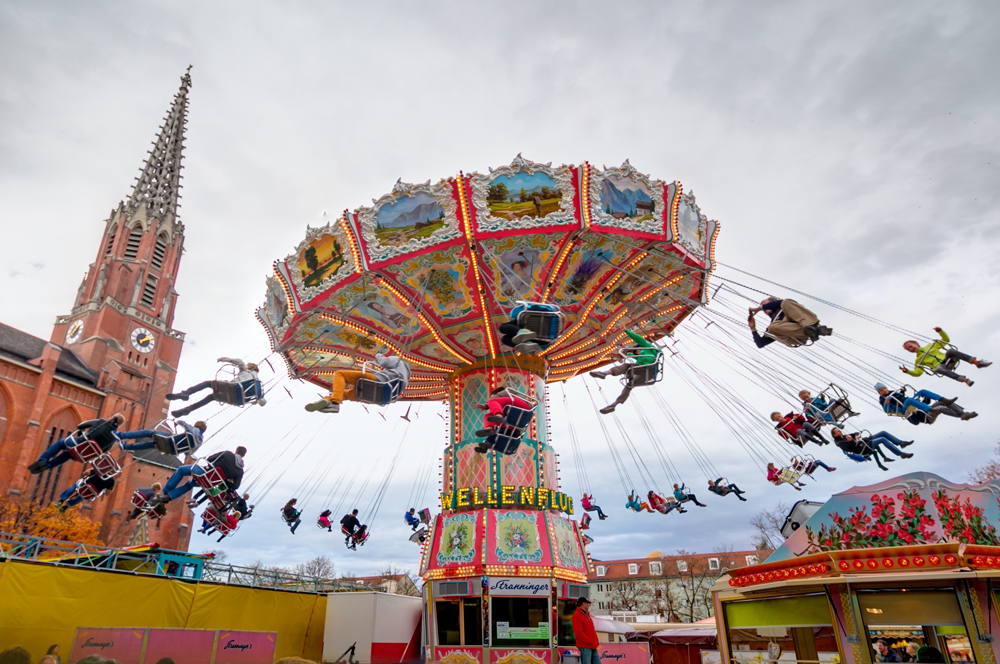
(391, 369)
(246, 380)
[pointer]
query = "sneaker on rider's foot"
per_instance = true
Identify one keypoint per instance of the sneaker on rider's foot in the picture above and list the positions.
(970, 382)
(982, 364)
(947, 401)
(906, 443)
(824, 331)
(969, 415)
(317, 405)
(330, 408)
(482, 449)
(608, 409)
(811, 332)
(529, 348)
(523, 336)
(485, 433)
(496, 419)
(38, 467)
(598, 374)
(906, 455)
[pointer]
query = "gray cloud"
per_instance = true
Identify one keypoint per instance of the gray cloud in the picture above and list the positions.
(849, 151)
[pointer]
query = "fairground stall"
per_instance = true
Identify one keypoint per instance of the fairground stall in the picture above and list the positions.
(912, 560)
(433, 273)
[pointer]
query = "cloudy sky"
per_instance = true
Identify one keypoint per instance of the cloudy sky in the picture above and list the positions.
(849, 150)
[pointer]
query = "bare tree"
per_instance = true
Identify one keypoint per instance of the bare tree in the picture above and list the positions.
(405, 583)
(767, 524)
(628, 595)
(693, 587)
(320, 567)
(989, 470)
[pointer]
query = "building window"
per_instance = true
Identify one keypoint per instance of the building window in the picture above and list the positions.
(459, 622)
(751, 560)
(713, 563)
(134, 238)
(159, 250)
(111, 240)
(682, 566)
(633, 568)
(601, 570)
(149, 292)
(655, 568)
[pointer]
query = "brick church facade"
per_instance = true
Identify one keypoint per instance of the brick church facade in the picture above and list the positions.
(114, 352)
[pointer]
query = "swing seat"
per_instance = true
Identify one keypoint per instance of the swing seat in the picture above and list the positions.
(585, 522)
(319, 524)
(507, 438)
(86, 451)
(86, 491)
(213, 483)
(166, 445)
(376, 393)
(212, 516)
(419, 536)
(546, 324)
(424, 515)
(106, 466)
(640, 375)
(146, 507)
(236, 394)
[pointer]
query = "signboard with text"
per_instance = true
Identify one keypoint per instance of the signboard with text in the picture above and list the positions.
(523, 587)
(245, 647)
(122, 644)
(505, 631)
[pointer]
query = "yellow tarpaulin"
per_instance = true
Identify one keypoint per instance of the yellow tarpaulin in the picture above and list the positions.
(42, 605)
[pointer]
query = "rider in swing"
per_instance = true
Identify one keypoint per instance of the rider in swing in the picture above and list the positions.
(247, 379)
(392, 368)
(938, 359)
(647, 354)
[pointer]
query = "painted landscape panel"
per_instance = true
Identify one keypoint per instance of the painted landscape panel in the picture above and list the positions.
(523, 195)
(625, 198)
(411, 217)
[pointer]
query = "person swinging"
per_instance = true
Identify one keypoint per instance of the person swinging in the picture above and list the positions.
(722, 488)
(791, 323)
(412, 520)
(682, 496)
(525, 340)
(796, 429)
(923, 407)
(188, 440)
(589, 505)
(244, 388)
(940, 359)
(324, 520)
(660, 504)
(635, 505)
(778, 476)
(643, 353)
(862, 448)
(393, 371)
(102, 432)
(291, 515)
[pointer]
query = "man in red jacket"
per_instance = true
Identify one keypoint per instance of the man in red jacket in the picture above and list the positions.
(586, 636)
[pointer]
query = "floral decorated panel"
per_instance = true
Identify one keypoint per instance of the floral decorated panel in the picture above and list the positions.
(567, 549)
(918, 508)
(456, 542)
(517, 538)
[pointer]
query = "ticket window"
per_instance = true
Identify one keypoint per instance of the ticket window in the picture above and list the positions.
(459, 621)
(790, 628)
(918, 617)
(520, 622)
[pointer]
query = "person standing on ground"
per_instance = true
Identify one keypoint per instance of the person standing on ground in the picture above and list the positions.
(585, 634)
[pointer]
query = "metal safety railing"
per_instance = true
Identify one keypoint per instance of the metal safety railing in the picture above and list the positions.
(153, 561)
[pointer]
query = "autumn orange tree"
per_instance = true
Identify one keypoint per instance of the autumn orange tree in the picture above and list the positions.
(24, 517)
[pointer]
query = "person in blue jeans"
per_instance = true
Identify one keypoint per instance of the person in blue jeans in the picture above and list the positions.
(523, 340)
(102, 432)
(683, 496)
(291, 515)
(918, 409)
(411, 518)
(190, 439)
(863, 448)
(232, 470)
(70, 497)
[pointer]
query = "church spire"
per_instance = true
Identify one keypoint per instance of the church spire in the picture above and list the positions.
(159, 183)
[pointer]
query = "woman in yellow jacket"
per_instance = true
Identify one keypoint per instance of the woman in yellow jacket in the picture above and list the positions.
(937, 358)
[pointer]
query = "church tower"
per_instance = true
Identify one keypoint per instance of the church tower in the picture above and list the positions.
(120, 324)
(115, 352)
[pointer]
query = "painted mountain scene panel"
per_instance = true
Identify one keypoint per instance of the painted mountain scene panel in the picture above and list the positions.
(625, 198)
(414, 216)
